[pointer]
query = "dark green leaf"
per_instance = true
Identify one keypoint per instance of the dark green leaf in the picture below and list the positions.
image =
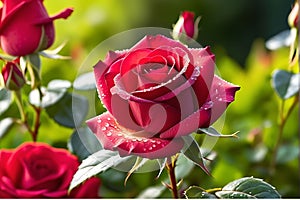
(35, 60)
(50, 97)
(192, 151)
(70, 111)
(211, 131)
(198, 193)
(95, 164)
(5, 100)
(85, 82)
(84, 143)
(248, 187)
(286, 84)
(183, 167)
(5, 125)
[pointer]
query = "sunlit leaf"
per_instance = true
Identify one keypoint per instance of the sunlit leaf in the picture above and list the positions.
(59, 84)
(282, 39)
(5, 125)
(50, 97)
(95, 164)
(84, 143)
(85, 82)
(183, 167)
(152, 192)
(286, 84)
(211, 131)
(5, 100)
(248, 187)
(192, 152)
(70, 111)
(198, 193)
(54, 56)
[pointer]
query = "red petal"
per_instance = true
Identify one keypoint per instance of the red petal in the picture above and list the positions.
(114, 137)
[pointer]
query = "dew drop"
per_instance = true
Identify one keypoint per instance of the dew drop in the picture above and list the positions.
(150, 148)
(103, 128)
(106, 125)
(144, 149)
(99, 121)
(145, 140)
(140, 139)
(120, 134)
(109, 134)
(108, 118)
(153, 145)
(134, 140)
(158, 142)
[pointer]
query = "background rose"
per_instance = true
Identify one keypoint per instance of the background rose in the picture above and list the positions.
(156, 92)
(36, 170)
(25, 26)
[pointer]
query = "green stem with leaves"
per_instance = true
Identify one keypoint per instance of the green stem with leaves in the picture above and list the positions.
(35, 127)
(170, 165)
(282, 123)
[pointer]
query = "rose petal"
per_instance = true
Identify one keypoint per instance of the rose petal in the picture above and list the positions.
(221, 95)
(114, 137)
(87, 190)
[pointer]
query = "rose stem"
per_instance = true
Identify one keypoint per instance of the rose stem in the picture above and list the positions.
(171, 164)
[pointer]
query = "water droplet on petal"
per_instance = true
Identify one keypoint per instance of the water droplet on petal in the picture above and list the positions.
(120, 134)
(145, 140)
(150, 148)
(103, 128)
(109, 134)
(106, 125)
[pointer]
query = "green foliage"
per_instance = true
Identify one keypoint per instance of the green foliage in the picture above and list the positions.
(244, 188)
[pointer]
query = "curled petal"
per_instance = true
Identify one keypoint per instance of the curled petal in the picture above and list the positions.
(114, 137)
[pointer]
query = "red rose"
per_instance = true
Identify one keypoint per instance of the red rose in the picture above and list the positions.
(186, 26)
(25, 26)
(12, 76)
(36, 170)
(155, 93)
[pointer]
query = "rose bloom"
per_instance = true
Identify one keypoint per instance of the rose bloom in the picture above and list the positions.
(13, 77)
(155, 93)
(186, 26)
(36, 170)
(25, 26)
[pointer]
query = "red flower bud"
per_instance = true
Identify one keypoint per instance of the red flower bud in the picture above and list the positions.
(25, 26)
(12, 76)
(186, 27)
(294, 15)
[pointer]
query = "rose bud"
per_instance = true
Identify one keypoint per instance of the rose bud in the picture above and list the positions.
(26, 28)
(37, 170)
(294, 15)
(156, 93)
(186, 28)
(12, 76)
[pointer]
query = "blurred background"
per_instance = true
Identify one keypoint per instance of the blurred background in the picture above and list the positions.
(236, 30)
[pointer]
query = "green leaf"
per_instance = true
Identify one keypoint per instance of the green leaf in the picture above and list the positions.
(5, 125)
(50, 97)
(58, 84)
(84, 143)
(286, 84)
(70, 111)
(211, 131)
(152, 192)
(54, 56)
(287, 153)
(198, 193)
(192, 151)
(248, 187)
(95, 164)
(282, 39)
(183, 167)
(85, 82)
(5, 100)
